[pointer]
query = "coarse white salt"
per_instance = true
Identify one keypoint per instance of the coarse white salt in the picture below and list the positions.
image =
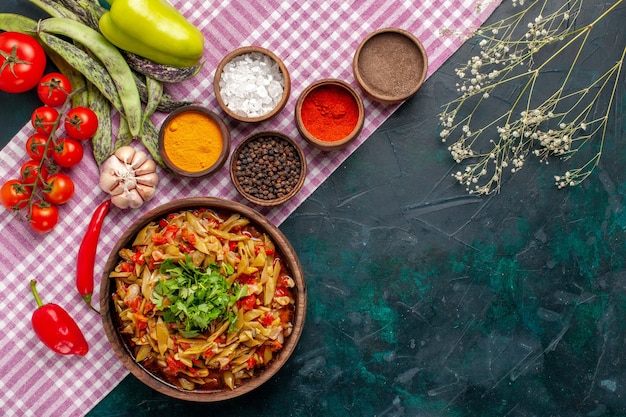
(252, 84)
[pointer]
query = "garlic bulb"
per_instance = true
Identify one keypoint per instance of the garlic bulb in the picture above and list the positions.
(129, 176)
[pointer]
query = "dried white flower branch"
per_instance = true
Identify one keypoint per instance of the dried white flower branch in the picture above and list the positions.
(543, 123)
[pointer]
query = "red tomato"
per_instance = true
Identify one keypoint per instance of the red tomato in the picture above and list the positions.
(281, 291)
(43, 119)
(53, 89)
(15, 194)
(42, 216)
(67, 152)
(266, 319)
(59, 189)
(81, 123)
(22, 62)
(37, 146)
(247, 303)
(30, 172)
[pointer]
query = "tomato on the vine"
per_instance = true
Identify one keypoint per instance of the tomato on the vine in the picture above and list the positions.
(81, 123)
(37, 146)
(53, 89)
(43, 216)
(15, 194)
(67, 152)
(59, 189)
(30, 172)
(43, 119)
(22, 62)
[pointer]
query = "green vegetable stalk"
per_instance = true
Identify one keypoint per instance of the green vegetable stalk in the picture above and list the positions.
(155, 30)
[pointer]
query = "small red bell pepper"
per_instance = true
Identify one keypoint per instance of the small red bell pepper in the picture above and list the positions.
(56, 328)
(86, 258)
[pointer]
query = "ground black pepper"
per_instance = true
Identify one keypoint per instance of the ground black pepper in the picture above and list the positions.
(268, 167)
(391, 64)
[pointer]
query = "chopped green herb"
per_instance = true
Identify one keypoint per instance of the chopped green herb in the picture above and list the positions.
(197, 297)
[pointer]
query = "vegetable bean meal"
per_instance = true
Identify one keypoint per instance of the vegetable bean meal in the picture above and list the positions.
(203, 299)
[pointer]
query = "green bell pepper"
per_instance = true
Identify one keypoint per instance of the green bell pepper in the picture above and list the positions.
(153, 29)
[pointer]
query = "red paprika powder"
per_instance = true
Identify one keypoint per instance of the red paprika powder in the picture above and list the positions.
(329, 113)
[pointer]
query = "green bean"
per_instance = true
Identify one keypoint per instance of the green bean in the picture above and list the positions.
(11, 22)
(112, 60)
(91, 69)
(166, 105)
(87, 11)
(150, 139)
(124, 137)
(102, 141)
(163, 73)
(80, 98)
(54, 9)
(155, 92)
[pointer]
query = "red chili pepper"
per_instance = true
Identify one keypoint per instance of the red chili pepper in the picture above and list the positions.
(86, 257)
(56, 328)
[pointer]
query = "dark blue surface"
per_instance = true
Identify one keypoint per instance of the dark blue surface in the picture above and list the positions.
(424, 301)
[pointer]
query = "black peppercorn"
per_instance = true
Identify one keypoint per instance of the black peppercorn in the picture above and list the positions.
(267, 167)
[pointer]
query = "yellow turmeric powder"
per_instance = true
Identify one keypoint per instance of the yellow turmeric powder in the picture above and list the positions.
(192, 141)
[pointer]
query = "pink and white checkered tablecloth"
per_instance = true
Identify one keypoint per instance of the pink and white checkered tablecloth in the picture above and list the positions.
(315, 39)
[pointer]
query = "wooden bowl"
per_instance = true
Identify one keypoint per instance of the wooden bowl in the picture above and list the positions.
(108, 312)
(340, 91)
(390, 65)
(252, 50)
(194, 142)
(254, 190)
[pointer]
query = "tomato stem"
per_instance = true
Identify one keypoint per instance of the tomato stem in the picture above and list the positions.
(11, 60)
(39, 180)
